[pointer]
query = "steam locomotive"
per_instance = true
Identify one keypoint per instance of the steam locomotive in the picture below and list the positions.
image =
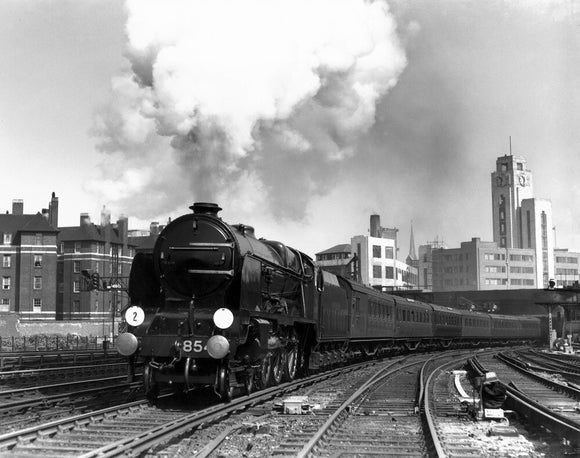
(212, 305)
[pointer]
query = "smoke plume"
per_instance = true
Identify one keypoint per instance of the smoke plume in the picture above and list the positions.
(255, 103)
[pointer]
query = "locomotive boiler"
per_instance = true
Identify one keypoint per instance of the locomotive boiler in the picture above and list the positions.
(214, 305)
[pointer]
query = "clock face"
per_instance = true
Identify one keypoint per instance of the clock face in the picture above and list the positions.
(523, 180)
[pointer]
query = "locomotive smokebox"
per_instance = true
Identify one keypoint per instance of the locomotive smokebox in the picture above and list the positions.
(207, 208)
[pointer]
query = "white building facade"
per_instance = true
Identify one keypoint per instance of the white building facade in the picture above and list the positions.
(379, 266)
(519, 219)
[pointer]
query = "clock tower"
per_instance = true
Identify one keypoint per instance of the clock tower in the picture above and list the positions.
(511, 183)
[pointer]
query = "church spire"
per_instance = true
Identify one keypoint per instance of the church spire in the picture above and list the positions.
(412, 254)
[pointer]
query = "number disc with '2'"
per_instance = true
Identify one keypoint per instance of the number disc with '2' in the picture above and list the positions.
(134, 315)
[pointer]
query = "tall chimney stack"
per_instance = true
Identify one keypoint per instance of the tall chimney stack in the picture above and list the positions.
(17, 207)
(53, 211)
(375, 226)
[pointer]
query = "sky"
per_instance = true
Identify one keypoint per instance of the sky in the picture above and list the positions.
(300, 118)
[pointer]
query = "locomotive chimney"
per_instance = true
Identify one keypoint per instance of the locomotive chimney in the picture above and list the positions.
(207, 208)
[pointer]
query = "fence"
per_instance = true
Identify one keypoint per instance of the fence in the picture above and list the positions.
(53, 343)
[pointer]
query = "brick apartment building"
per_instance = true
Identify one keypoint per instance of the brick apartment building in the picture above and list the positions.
(28, 245)
(49, 273)
(93, 269)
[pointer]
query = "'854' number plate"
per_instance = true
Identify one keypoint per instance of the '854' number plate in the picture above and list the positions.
(193, 346)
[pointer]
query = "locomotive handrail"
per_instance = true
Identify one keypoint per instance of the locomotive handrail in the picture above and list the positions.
(201, 246)
(229, 273)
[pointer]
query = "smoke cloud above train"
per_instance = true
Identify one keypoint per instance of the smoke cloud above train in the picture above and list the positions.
(255, 102)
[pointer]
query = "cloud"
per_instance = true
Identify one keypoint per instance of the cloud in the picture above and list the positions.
(256, 98)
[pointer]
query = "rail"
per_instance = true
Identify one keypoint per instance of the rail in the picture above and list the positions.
(540, 414)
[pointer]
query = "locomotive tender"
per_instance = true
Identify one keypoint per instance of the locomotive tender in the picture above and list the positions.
(212, 305)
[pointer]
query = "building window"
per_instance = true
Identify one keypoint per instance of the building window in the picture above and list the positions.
(5, 282)
(376, 251)
(5, 301)
(7, 260)
(389, 252)
(376, 271)
(76, 286)
(37, 304)
(76, 267)
(521, 270)
(37, 260)
(494, 257)
(389, 272)
(100, 248)
(119, 269)
(496, 281)
(495, 269)
(77, 247)
(37, 283)
(61, 247)
(38, 239)
(7, 238)
(519, 166)
(76, 306)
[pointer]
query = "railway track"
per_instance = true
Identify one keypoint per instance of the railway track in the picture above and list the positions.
(23, 378)
(26, 406)
(407, 404)
(127, 429)
(542, 399)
